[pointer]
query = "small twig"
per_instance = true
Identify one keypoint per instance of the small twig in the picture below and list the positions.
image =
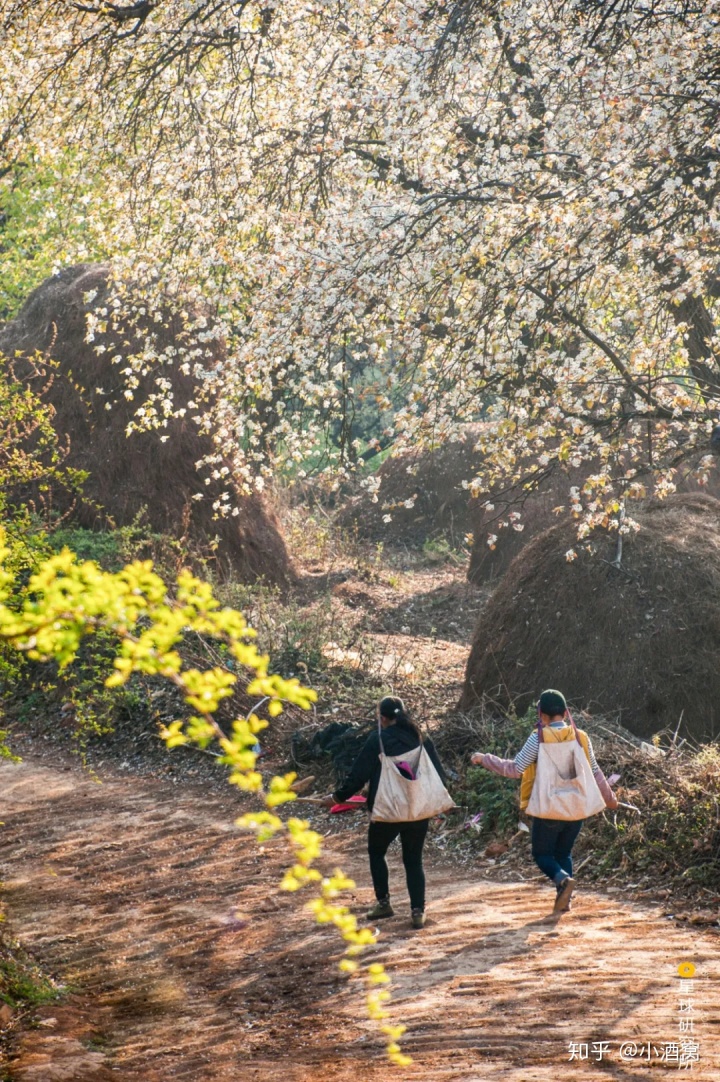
(617, 562)
(616, 567)
(257, 706)
(203, 751)
(619, 737)
(677, 730)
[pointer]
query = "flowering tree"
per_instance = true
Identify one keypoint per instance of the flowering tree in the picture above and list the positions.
(508, 207)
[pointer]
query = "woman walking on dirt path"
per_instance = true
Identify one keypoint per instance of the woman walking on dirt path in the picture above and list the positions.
(552, 839)
(399, 735)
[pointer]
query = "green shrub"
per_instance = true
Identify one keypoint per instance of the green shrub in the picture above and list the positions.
(22, 982)
(495, 797)
(677, 833)
(102, 546)
(480, 790)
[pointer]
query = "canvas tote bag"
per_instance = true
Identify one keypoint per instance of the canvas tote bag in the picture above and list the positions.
(564, 784)
(400, 799)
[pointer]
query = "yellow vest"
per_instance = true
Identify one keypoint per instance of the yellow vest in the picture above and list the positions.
(552, 736)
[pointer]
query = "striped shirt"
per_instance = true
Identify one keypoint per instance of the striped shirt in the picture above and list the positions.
(529, 751)
(515, 768)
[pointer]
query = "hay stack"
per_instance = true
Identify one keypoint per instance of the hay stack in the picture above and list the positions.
(128, 474)
(443, 508)
(433, 479)
(538, 513)
(642, 641)
(487, 564)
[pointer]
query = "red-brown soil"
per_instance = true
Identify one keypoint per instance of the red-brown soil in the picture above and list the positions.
(186, 963)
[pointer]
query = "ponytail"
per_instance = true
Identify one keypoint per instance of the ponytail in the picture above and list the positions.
(394, 710)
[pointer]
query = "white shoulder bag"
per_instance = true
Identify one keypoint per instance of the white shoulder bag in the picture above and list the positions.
(401, 799)
(564, 786)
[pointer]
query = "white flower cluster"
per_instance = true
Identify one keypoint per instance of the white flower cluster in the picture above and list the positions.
(516, 224)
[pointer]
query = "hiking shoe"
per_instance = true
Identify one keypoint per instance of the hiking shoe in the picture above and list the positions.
(564, 894)
(417, 918)
(382, 908)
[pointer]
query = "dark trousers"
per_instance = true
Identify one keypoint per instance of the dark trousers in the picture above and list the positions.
(552, 842)
(412, 839)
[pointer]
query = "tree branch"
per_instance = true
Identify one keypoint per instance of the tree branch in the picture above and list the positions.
(609, 352)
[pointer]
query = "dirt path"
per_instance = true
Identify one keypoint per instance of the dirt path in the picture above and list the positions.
(126, 891)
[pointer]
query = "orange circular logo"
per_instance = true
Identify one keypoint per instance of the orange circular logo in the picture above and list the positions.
(686, 969)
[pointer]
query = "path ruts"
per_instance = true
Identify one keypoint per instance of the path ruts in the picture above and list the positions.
(185, 963)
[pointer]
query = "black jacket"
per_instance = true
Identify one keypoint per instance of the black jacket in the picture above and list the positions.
(366, 768)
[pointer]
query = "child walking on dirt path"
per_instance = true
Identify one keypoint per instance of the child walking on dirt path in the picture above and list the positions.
(399, 736)
(553, 838)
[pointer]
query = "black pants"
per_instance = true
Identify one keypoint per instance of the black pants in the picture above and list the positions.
(412, 839)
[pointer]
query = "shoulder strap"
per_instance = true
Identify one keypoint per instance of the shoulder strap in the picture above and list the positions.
(582, 737)
(584, 741)
(572, 722)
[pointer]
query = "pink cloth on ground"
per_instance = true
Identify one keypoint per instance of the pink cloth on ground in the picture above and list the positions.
(353, 803)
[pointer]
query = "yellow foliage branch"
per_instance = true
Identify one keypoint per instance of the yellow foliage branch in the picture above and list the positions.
(67, 600)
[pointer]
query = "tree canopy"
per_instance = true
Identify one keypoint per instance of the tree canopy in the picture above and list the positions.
(509, 208)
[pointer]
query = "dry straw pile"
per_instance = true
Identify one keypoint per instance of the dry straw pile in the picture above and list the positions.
(142, 472)
(640, 641)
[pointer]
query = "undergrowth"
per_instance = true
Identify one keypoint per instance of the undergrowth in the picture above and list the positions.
(305, 635)
(676, 833)
(674, 836)
(479, 790)
(22, 982)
